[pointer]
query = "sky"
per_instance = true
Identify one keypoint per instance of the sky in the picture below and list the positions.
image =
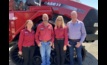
(92, 3)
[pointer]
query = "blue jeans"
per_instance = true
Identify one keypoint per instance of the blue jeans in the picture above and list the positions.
(45, 51)
(78, 52)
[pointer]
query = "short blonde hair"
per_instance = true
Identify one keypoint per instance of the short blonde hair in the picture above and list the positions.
(62, 20)
(27, 22)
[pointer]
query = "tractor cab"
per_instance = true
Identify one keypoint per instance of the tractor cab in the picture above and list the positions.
(22, 5)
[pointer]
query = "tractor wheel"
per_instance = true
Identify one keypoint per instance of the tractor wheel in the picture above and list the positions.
(18, 60)
(83, 55)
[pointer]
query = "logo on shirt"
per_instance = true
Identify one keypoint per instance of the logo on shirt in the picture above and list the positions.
(26, 32)
(41, 28)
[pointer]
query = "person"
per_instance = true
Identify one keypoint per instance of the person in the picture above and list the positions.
(26, 43)
(34, 2)
(76, 34)
(45, 37)
(61, 39)
(25, 7)
(21, 5)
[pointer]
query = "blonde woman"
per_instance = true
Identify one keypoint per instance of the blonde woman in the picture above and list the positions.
(61, 39)
(26, 43)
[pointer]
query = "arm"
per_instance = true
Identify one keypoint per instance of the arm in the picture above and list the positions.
(52, 34)
(66, 36)
(83, 33)
(37, 35)
(20, 42)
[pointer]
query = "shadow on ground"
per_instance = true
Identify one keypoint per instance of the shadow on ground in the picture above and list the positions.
(90, 59)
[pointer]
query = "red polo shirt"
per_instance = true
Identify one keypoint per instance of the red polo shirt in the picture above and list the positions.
(26, 39)
(61, 33)
(44, 33)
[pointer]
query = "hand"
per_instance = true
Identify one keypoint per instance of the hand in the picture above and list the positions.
(53, 46)
(68, 45)
(50, 43)
(78, 44)
(64, 48)
(20, 52)
(39, 44)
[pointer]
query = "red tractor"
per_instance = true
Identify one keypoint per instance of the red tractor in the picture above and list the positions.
(34, 11)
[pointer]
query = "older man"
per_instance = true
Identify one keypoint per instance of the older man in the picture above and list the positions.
(77, 34)
(44, 38)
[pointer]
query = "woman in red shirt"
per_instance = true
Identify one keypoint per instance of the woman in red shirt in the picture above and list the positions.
(26, 43)
(61, 39)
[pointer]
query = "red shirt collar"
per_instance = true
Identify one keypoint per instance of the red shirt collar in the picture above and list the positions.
(28, 30)
(58, 27)
(47, 25)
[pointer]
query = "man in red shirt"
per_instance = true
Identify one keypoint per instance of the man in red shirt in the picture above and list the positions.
(44, 37)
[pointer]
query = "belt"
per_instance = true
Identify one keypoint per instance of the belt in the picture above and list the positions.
(45, 40)
(27, 46)
(59, 38)
(74, 39)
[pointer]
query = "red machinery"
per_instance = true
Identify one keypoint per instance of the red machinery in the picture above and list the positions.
(53, 8)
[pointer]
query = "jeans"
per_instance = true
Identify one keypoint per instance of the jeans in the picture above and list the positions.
(60, 53)
(45, 51)
(78, 52)
(28, 54)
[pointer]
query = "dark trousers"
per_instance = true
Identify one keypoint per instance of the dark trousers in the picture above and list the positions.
(28, 53)
(78, 52)
(60, 53)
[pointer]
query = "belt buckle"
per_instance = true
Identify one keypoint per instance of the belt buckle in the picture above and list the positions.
(75, 39)
(28, 46)
(59, 39)
(72, 39)
(45, 41)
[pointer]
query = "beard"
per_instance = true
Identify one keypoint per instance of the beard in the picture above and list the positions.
(45, 20)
